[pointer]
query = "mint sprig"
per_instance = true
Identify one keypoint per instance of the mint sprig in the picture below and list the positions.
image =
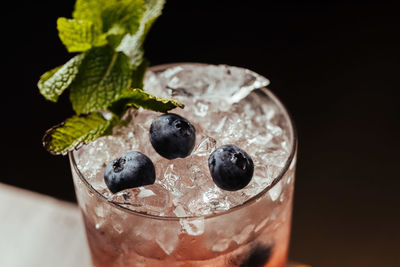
(110, 35)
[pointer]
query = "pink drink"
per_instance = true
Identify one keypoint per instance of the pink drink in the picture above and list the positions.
(184, 219)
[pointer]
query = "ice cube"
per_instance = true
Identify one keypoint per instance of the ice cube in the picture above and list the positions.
(193, 226)
(275, 191)
(145, 193)
(153, 199)
(274, 130)
(261, 177)
(211, 199)
(200, 109)
(162, 234)
(99, 216)
(123, 196)
(220, 124)
(261, 225)
(221, 245)
(141, 132)
(214, 83)
(169, 179)
(282, 197)
(99, 211)
(244, 235)
(156, 202)
(167, 240)
(179, 211)
(206, 146)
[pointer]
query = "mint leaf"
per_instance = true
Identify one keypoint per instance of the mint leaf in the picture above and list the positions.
(79, 35)
(114, 18)
(124, 15)
(103, 75)
(90, 10)
(138, 74)
(76, 131)
(53, 83)
(131, 44)
(139, 98)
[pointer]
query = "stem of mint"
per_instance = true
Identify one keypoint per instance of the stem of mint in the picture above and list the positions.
(106, 78)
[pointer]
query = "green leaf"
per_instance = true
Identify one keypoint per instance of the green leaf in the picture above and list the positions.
(115, 35)
(79, 35)
(123, 15)
(53, 83)
(139, 98)
(115, 18)
(138, 74)
(131, 44)
(76, 131)
(103, 76)
(90, 10)
(119, 107)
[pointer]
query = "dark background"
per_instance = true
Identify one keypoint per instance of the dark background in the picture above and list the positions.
(334, 64)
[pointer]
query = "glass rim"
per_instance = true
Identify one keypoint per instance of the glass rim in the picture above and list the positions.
(277, 179)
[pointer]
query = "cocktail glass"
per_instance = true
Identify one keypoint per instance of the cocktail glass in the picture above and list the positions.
(254, 233)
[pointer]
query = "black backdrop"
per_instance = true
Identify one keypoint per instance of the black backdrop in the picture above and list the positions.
(334, 64)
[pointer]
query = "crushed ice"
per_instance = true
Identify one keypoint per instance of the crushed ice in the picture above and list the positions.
(225, 107)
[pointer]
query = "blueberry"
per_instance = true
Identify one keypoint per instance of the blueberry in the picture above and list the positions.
(172, 136)
(133, 169)
(231, 167)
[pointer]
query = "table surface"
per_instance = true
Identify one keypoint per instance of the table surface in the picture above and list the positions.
(40, 231)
